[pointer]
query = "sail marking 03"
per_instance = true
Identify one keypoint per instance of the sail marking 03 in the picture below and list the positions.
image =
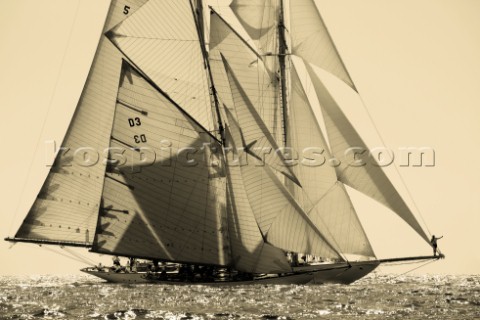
(172, 184)
(162, 40)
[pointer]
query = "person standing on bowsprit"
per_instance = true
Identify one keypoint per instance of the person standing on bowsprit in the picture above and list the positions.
(433, 241)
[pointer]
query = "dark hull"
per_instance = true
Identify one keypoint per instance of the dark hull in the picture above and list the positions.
(142, 277)
(312, 274)
(342, 274)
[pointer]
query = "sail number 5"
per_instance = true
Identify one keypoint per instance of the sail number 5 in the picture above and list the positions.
(126, 10)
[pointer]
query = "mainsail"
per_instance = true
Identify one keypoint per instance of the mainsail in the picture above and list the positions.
(167, 200)
(66, 208)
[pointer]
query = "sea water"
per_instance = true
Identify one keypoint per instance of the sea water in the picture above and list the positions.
(377, 296)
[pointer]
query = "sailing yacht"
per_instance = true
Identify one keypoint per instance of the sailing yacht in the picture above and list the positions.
(213, 150)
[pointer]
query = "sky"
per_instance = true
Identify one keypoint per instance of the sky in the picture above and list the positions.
(415, 64)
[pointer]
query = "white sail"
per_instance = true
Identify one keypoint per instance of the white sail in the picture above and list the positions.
(163, 41)
(307, 142)
(280, 219)
(249, 251)
(322, 196)
(369, 178)
(255, 136)
(259, 18)
(311, 40)
(249, 68)
(66, 208)
(159, 204)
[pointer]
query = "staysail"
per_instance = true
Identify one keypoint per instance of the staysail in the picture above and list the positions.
(323, 197)
(249, 251)
(165, 199)
(280, 219)
(249, 68)
(370, 178)
(66, 208)
(256, 138)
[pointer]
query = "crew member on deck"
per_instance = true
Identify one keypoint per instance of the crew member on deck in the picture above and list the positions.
(433, 241)
(116, 264)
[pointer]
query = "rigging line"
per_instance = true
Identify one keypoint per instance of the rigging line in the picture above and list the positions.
(396, 168)
(154, 38)
(64, 255)
(22, 192)
(420, 266)
(199, 26)
(79, 256)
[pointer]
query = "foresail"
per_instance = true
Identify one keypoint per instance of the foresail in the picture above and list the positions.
(311, 40)
(369, 178)
(249, 68)
(162, 40)
(256, 139)
(310, 150)
(66, 208)
(322, 196)
(165, 198)
(249, 251)
(280, 219)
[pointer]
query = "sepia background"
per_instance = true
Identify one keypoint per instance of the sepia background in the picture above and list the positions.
(416, 64)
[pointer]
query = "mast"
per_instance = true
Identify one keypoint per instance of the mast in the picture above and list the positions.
(283, 51)
(199, 24)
